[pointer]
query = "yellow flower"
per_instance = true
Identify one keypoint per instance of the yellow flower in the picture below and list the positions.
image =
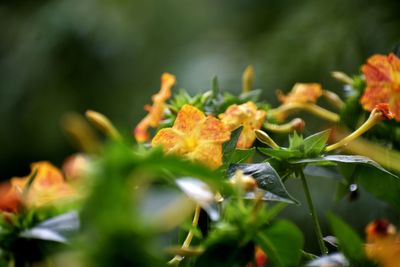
(153, 118)
(302, 93)
(247, 115)
(382, 74)
(195, 136)
(47, 187)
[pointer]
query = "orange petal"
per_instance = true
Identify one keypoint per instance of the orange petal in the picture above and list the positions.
(10, 198)
(47, 187)
(141, 130)
(210, 154)
(374, 95)
(170, 139)
(246, 138)
(156, 112)
(188, 120)
(302, 93)
(214, 130)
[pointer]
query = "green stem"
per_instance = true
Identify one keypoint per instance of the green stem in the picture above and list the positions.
(313, 213)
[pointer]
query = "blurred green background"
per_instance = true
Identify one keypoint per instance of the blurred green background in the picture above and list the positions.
(70, 55)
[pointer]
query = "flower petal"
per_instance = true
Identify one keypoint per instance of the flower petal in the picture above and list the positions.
(302, 93)
(188, 120)
(207, 153)
(170, 139)
(153, 118)
(214, 130)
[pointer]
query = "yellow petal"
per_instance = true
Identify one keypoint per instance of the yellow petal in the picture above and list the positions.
(210, 154)
(188, 120)
(170, 139)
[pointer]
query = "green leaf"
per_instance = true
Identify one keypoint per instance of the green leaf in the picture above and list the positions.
(229, 146)
(242, 155)
(296, 142)
(215, 86)
(344, 159)
(315, 144)
(281, 154)
(349, 242)
(282, 242)
(381, 185)
(266, 177)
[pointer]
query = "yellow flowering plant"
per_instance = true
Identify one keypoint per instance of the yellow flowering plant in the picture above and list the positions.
(212, 171)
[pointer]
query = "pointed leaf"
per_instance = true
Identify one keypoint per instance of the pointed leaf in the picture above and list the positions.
(315, 144)
(344, 159)
(242, 155)
(54, 229)
(282, 242)
(267, 196)
(265, 175)
(296, 141)
(229, 146)
(281, 154)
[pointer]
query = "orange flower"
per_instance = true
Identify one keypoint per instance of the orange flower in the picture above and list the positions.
(383, 243)
(302, 93)
(10, 199)
(195, 136)
(47, 187)
(153, 118)
(246, 115)
(382, 74)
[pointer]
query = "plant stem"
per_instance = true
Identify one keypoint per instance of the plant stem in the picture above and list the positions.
(177, 259)
(313, 213)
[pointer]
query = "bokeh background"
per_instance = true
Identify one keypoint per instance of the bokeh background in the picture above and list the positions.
(71, 55)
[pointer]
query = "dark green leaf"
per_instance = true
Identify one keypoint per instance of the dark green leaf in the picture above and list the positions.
(225, 249)
(281, 154)
(315, 144)
(266, 178)
(349, 242)
(344, 159)
(380, 185)
(229, 146)
(282, 242)
(266, 196)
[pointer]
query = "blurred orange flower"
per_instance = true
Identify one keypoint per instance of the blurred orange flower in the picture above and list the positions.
(10, 199)
(382, 74)
(383, 243)
(247, 115)
(47, 187)
(302, 93)
(153, 118)
(195, 136)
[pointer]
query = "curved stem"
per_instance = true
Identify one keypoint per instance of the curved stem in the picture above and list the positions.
(177, 259)
(310, 107)
(368, 124)
(313, 213)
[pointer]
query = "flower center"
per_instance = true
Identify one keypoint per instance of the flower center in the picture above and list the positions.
(190, 143)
